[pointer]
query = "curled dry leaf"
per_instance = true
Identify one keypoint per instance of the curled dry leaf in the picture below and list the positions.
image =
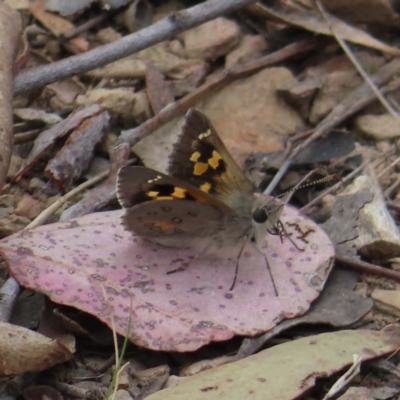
(10, 33)
(22, 350)
(77, 261)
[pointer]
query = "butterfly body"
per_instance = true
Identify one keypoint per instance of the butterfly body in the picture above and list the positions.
(205, 202)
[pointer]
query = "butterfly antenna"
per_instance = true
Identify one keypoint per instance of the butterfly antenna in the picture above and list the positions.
(301, 186)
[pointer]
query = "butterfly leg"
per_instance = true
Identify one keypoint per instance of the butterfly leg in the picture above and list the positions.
(256, 241)
(246, 238)
(270, 273)
(282, 232)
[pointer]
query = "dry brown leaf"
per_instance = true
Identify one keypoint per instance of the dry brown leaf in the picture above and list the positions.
(157, 89)
(22, 350)
(313, 21)
(57, 26)
(283, 372)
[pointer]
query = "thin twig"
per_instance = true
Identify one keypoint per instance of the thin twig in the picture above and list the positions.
(389, 167)
(85, 27)
(345, 379)
(392, 188)
(164, 29)
(26, 136)
(394, 205)
(368, 268)
(278, 176)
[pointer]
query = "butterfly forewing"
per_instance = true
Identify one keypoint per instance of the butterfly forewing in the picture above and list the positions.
(201, 158)
(136, 185)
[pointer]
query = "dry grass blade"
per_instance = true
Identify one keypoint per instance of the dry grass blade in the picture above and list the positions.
(49, 211)
(357, 65)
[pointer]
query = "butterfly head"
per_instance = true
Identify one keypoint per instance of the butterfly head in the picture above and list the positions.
(267, 213)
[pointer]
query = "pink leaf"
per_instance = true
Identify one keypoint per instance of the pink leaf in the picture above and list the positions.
(77, 261)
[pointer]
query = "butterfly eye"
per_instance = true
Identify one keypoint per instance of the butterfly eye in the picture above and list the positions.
(260, 215)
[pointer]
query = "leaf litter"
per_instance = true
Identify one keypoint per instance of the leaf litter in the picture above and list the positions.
(98, 262)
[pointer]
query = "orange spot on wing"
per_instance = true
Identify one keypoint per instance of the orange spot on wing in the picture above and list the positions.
(195, 156)
(214, 160)
(200, 168)
(179, 193)
(205, 187)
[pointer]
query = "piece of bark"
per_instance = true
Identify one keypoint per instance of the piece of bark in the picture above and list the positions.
(49, 136)
(378, 235)
(10, 33)
(343, 225)
(74, 158)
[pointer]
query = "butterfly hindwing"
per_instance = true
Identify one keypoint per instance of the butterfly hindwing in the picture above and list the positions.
(162, 207)
(201, 158)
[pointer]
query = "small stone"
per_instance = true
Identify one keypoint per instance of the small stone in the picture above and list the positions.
(377, 127)
(211, 40)
(36, 183)
(395, 263)
(7, 200)
(29, 208)
(389, 297)
(122, 395)
(108, 35)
